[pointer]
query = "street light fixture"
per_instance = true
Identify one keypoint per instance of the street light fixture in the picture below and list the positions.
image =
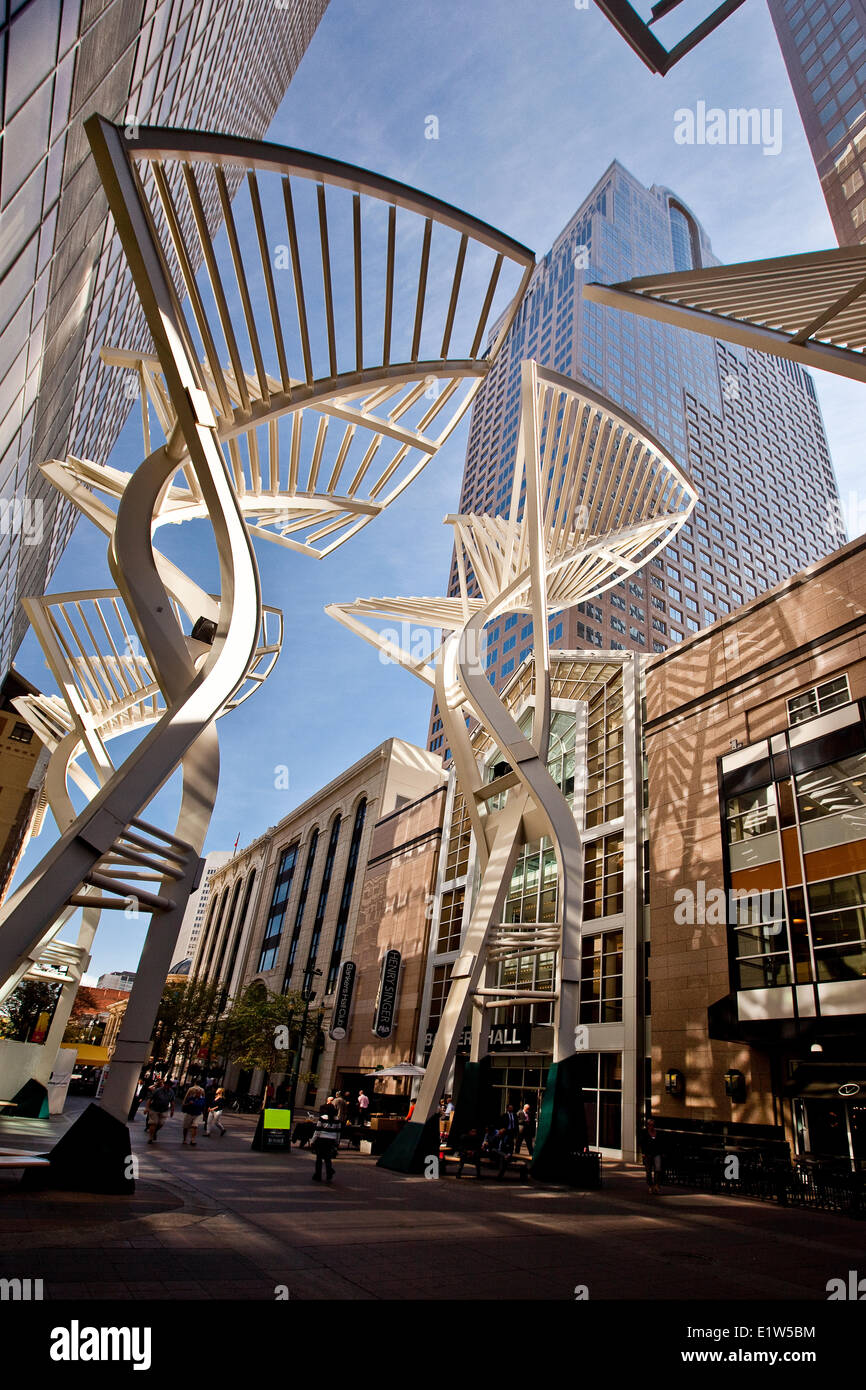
(309, 996)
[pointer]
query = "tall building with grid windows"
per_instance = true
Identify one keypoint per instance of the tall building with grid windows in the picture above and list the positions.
(64, 287)
(745, 425)
(824, 47)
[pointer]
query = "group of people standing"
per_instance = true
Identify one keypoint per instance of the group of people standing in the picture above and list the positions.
(200, 1104)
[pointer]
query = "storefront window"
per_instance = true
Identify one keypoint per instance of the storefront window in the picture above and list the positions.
(750, 815)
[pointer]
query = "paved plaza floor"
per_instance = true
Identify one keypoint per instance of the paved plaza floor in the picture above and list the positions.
(220, 1221)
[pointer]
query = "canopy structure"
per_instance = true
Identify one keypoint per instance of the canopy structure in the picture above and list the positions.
(594, 498)
(399, 1069)
(810, 308)
(317, 331)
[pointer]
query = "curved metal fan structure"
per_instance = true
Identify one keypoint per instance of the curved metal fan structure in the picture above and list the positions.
(594, 498)
(317, 333)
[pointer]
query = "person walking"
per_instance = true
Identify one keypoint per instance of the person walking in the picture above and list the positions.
(215, 1111)
(652, 1157)
(160, 1102)
(508, 1128)
(209, 1093)
(341, 1107)
(193, 1110)
(325, 1141)
(363, 1106)
(526, 1127)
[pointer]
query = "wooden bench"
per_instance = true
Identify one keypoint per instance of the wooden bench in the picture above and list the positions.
(513, 1163)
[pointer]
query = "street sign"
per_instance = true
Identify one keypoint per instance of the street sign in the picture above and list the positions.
(383, 1020)
(277, 1129)
(343, 1002)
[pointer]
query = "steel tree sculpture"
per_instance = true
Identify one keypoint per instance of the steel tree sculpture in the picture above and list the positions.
(317, 333)
(594, 498)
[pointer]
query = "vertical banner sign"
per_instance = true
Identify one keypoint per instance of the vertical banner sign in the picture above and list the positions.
(343, 1002)
(383, 1020)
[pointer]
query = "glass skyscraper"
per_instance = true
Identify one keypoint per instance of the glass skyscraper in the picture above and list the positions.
(745, 425)
(64, 287)
(824, 47)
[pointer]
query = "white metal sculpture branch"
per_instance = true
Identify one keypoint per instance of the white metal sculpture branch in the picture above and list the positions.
(594, 498)
(299, 395)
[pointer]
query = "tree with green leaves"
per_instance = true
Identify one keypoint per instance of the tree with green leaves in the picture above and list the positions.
(267, 1031)
(20, 1013)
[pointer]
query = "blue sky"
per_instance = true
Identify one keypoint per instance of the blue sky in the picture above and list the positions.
(533, 101)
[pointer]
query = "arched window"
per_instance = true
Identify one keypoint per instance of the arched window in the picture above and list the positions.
(322, 904)
(302, 903)
(346, 897)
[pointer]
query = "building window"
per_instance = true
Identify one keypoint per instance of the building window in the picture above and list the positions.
(438, 996)
(321, 905)
(837, 789)
(346, 895)
(818, 700)
(21, 733)
(603, 877)
(302, 903)
(750, 815)
(601, 978)
(277, 909)
(603, 1099)
(450, 921)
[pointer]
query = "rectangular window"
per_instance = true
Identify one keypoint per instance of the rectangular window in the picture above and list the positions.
(818, 700)
(450, 921)
(751, 814)
(601, 978)
(277, 910)
(603, 877)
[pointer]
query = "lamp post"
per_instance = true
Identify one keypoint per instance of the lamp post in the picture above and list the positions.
(308, 999)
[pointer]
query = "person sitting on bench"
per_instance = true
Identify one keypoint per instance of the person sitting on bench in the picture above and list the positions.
(469, 1150)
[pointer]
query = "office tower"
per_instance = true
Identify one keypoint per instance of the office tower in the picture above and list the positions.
(746, 426)
(193, 919)
(64, 287)
(824, 47)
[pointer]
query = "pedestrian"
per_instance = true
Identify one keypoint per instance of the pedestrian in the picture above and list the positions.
(160, 1102)
(341, 1106)
(215, 1112)
(526, 1126)
(193, 1109)
(508, 1126)
(469, 1150)
(209, 1093)
(492, 1146)
(325, 1141)
(652, 1156)
(363, 1106)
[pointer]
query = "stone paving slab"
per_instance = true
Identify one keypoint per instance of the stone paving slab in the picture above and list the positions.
(221, 1222)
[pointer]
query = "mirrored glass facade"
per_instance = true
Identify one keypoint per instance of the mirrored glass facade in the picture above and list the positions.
(64, 287)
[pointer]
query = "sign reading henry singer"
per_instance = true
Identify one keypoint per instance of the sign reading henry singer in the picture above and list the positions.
(383, 1020)
(343, 1003)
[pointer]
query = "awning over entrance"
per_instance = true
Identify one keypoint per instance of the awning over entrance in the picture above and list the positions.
(88, 1055)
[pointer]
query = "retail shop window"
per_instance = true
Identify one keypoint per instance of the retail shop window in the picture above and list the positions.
(818, 700)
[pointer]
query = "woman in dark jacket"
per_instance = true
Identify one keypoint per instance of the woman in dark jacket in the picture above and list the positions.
(325, 1141)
